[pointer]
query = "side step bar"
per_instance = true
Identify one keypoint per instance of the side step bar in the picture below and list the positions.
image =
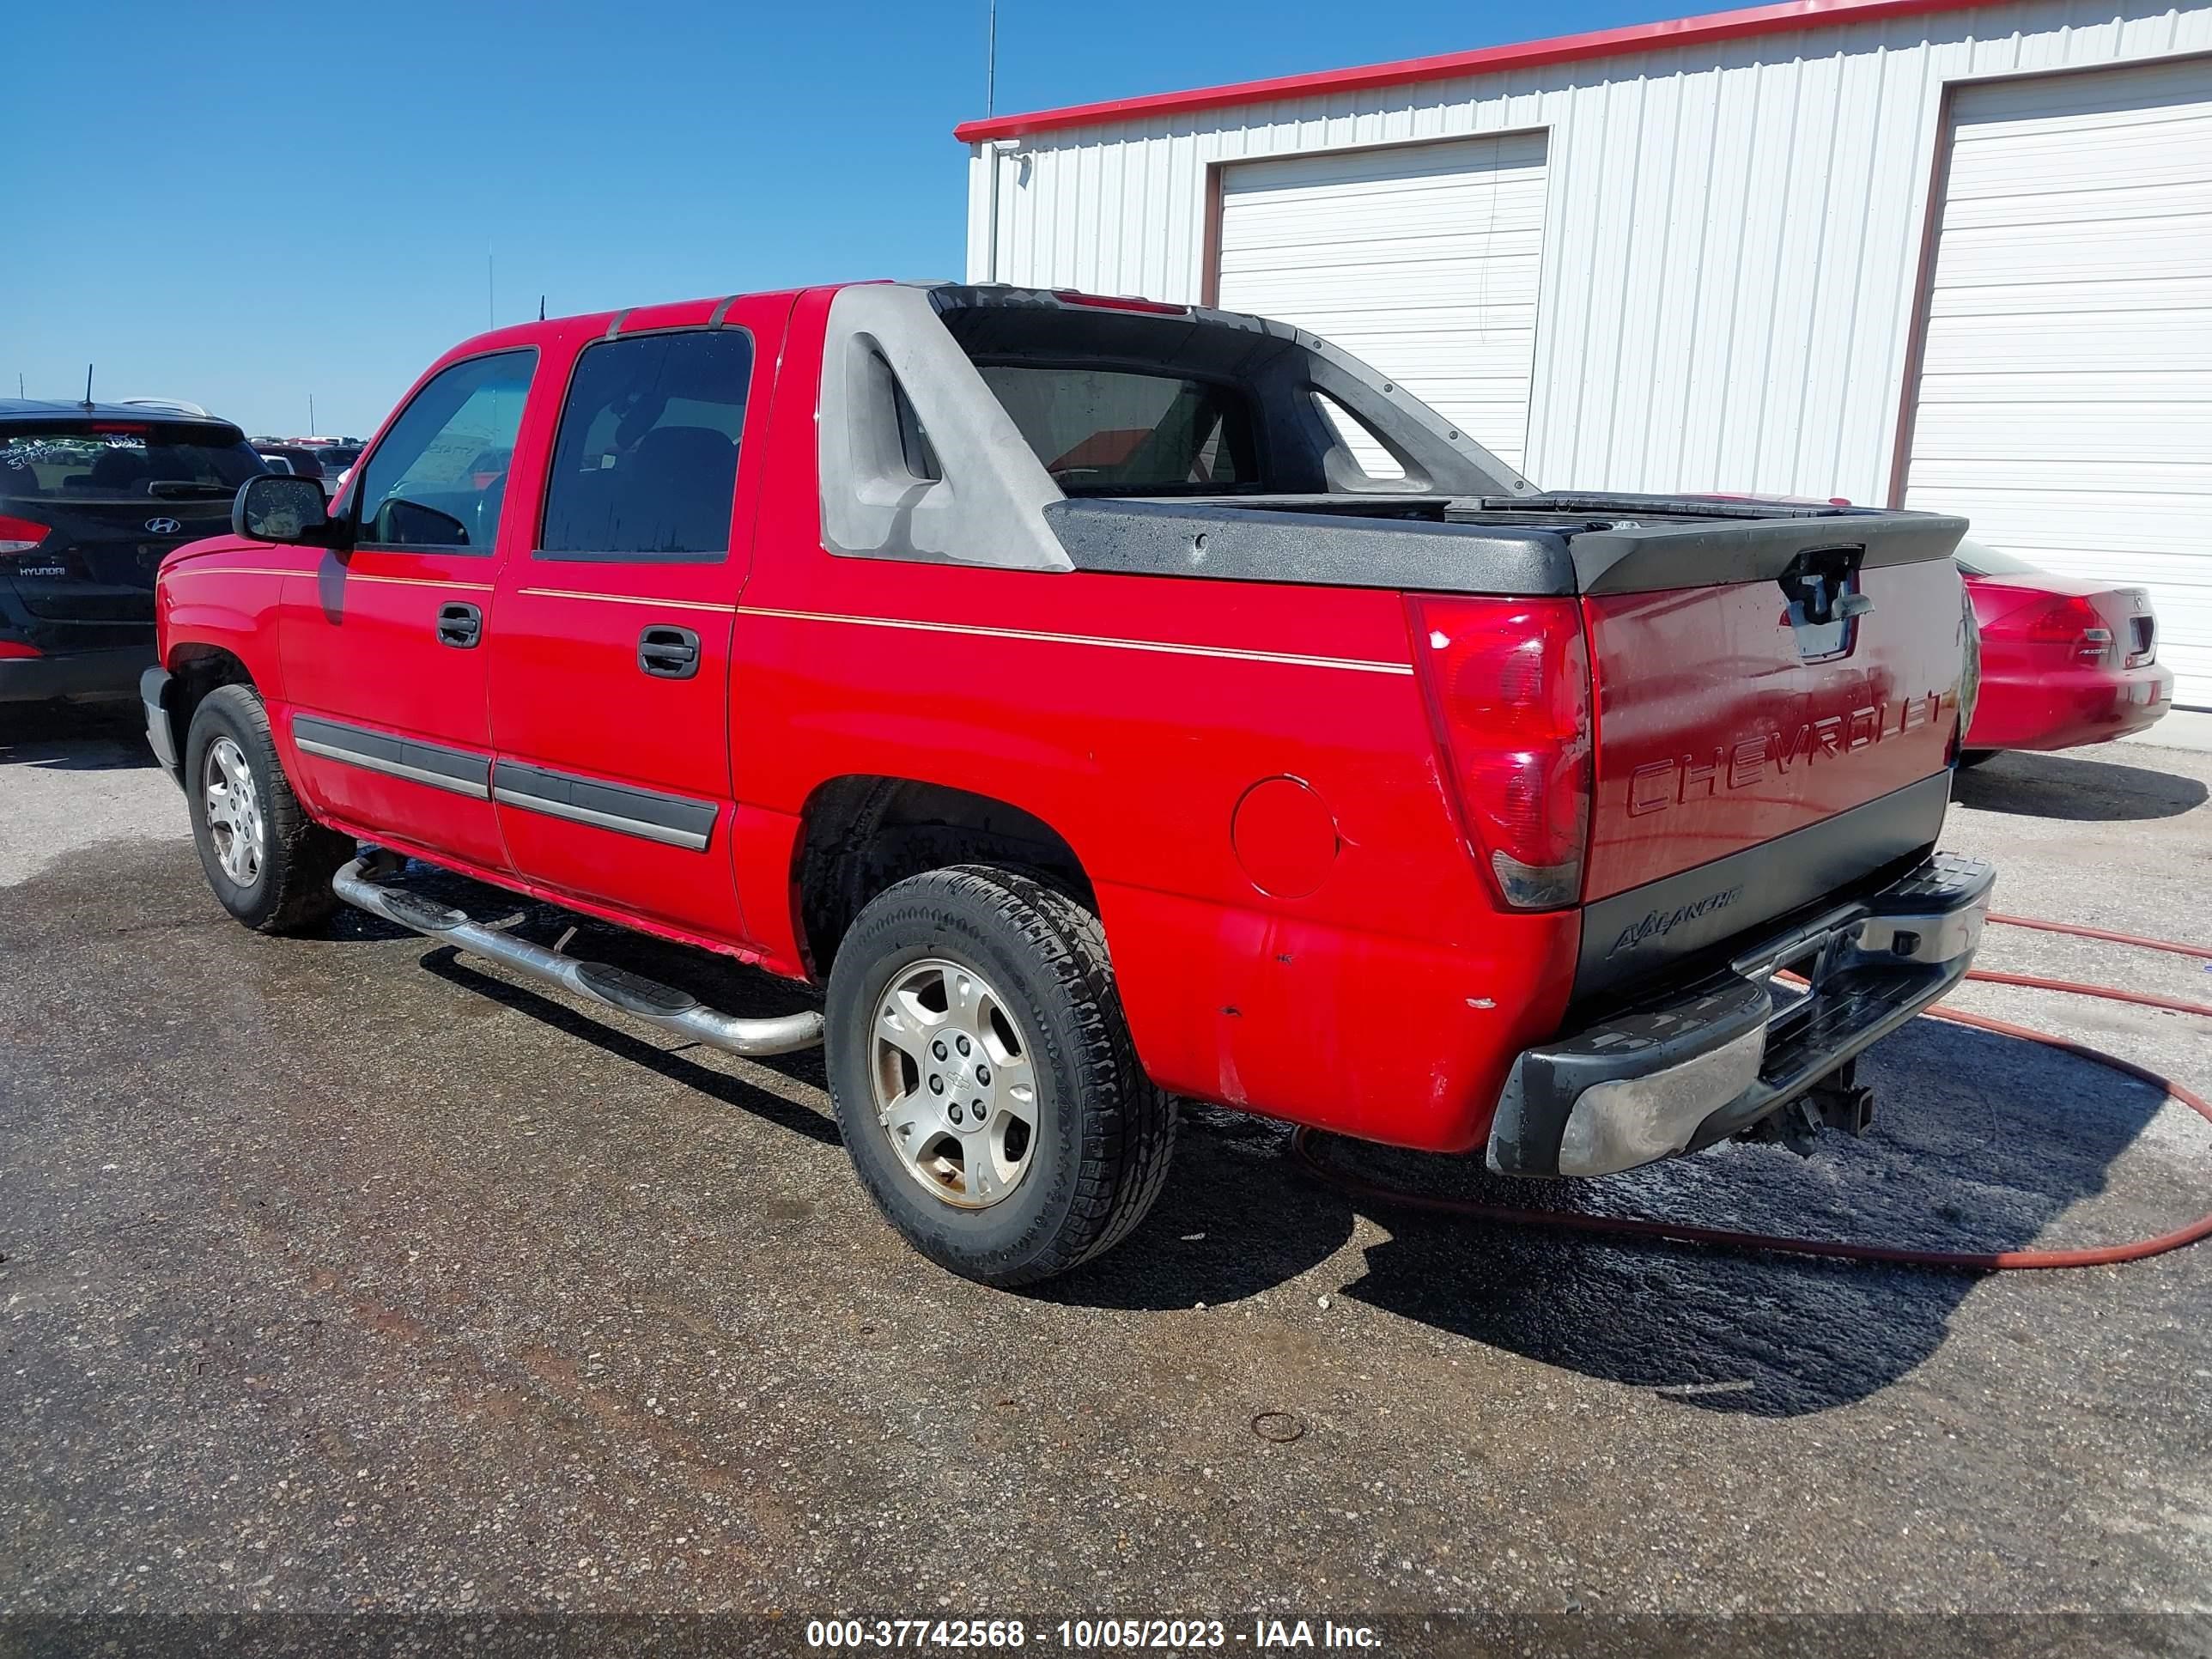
(643, 999)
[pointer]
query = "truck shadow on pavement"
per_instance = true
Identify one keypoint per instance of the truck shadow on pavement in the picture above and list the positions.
(73, 737)
(1981, 1143)
(672, 1063)
(718, 980)
(1234, 1220)
(2079, 791)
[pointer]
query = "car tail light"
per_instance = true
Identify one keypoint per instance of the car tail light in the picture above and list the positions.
(16, 651)
(2075, 623)
(1508, 687)
(19, 535)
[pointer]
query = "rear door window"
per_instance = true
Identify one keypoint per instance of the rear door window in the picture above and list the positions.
(645, 463)
(1101, 431)
(438, 477)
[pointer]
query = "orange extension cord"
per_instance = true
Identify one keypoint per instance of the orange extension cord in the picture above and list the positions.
(1956, 1260)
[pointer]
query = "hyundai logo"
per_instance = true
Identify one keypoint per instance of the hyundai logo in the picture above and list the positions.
(162, 526)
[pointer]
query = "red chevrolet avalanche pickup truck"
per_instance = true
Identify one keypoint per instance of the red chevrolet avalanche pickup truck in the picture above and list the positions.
(1105, 702)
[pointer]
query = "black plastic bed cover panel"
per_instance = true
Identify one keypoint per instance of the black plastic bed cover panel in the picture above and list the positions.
(1232, 544)
(1581, 544)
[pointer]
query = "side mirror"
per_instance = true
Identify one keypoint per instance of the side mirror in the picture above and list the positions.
(276, 506)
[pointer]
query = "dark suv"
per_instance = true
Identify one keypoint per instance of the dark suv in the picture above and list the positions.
(92, 495)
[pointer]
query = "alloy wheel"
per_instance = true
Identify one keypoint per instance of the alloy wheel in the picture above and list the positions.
(954, 1092)
(235, 822)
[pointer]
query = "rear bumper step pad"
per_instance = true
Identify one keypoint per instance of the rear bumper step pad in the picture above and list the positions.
(1698, 1063)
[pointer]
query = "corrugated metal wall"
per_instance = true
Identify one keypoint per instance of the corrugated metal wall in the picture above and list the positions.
(1731, 243)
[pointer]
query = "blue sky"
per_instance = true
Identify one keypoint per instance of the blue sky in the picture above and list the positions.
(244, 206)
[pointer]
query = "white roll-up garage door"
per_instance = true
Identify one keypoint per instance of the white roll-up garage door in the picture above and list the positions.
(1422, 259)
(2065, 393)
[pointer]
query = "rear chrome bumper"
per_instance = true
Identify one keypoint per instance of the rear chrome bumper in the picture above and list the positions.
(1682, 1069)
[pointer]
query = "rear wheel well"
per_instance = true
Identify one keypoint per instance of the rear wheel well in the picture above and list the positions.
(862, 835)
(195, 670)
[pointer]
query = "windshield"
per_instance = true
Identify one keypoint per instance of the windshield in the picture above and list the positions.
(110, 460)
(1977, 560)
(336, 458)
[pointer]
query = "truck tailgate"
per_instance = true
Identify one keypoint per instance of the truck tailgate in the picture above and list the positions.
(1811, 697)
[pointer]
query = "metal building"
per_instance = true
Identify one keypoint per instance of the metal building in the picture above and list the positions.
(1910, 252)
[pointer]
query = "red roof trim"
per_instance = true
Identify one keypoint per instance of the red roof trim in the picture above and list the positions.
(1485, 60)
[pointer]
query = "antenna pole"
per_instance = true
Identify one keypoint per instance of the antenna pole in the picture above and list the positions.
(991, 64)
(88, 386)
(491, 307)
(312, 428)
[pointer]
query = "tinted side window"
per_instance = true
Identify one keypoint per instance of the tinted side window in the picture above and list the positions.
(647, 458)
(439, 478)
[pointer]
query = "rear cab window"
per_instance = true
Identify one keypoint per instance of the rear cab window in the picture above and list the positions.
(645, 464)
(1103, 431)
(101, 460)
(1131, 398)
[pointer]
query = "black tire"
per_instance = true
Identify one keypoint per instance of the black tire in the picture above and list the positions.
(1104, 1133)
(1973, 757)
(290, 892)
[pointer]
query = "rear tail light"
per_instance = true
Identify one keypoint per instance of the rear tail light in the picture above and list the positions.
(1508, 687)
(16, 651)
(2076, 624)
(19, 535)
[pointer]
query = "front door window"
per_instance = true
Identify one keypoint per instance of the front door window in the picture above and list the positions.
(438, 477)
